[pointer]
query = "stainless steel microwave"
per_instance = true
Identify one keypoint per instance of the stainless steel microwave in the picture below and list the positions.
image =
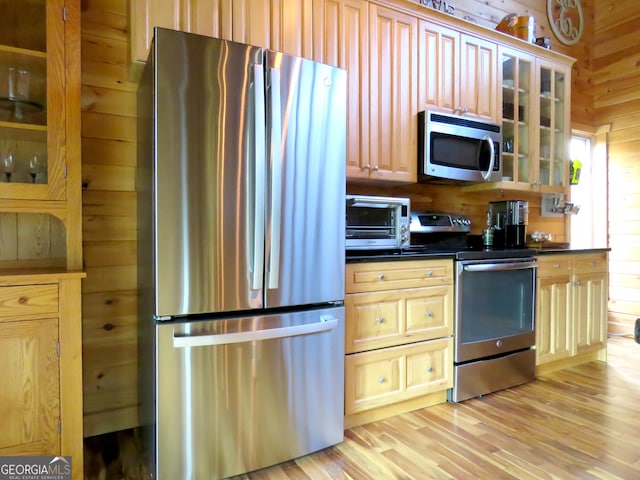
(456, 148)
(377, 223)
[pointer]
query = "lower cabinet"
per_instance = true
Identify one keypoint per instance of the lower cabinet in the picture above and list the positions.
(399, 346)
(41, 357)
(571, 323)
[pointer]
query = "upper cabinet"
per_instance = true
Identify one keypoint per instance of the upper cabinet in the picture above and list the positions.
(401, 58)
(285, 25)
(341, 39)
(32, 101)
(438, 67)
(478, 79)
(393, 40)
(536, 124)
(553, 123)
(457, 72)
(517, 71)
(40, 133)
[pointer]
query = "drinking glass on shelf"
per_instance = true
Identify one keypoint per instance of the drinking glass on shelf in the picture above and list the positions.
(35, 165)
(8, 165)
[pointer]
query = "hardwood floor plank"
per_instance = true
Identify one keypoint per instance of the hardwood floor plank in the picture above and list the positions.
(578, 423)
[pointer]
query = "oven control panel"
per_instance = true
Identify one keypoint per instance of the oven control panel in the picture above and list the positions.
(434, 222)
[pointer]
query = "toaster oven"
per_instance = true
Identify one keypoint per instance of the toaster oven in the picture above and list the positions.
(376, 223)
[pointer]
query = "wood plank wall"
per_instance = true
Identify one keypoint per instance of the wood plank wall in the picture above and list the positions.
(108, 165)
(616, 83)
(109, 220)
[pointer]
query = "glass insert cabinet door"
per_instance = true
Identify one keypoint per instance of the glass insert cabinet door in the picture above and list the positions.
(553, 138)
(517, 85)
(32, 99)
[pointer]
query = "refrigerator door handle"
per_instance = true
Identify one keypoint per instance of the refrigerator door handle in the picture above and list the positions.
(260, 179)
(326, 323)
(276, 179)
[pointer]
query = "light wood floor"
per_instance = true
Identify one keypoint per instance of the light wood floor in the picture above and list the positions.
(580, 423)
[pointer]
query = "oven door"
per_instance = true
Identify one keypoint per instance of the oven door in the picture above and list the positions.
(495, 307)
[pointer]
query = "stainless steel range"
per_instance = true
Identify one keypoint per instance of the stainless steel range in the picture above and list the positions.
(494, 332)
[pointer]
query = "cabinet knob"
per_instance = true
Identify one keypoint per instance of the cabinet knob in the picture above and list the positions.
(380, 276)
(429, 369)
(429, 314)
(429, 273)
(557, 265)
(367, 167)
(380, 319)
(593, 264)
(376, 168)
(381, 379)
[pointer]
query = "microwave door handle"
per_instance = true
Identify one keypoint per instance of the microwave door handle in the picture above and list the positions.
(492, 151)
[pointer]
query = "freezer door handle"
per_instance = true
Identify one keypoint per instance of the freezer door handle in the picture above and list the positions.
(276, 178)
(326, 323)
(257, 262)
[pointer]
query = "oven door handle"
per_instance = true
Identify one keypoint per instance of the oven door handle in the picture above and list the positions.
(495, 267)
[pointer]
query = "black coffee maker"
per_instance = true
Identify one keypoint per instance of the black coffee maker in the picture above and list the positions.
(509, 222)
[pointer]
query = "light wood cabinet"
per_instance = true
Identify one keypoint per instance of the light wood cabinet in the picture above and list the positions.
(478, 78)
(40, 349)
(398, 337)
(535, 97)
(341, 39)
(552, 109)
(284, 25)
(40, 132)
(554, 330)
(572, 296)
(40, 228)
(438, 67)
(390, 375)
(591, 295)
(393, 124)
(457, 72)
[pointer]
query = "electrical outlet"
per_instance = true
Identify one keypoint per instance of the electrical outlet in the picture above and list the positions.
(637, 330)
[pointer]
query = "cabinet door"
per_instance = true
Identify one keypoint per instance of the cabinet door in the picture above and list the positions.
(32, 101)
(374, 320)
(517, 73)
(341, 38)
(146, 14)
(29, 397)
(553, 94)
(251, 23)
(291, 23)
(438, 67)
(478, 80)
(393, 104)
(590, 311)
(554, 338)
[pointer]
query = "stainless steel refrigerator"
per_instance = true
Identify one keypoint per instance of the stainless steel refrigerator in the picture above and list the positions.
(241, 205)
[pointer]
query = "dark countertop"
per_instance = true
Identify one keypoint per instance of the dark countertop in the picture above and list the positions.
(372, 256)
(555, 251)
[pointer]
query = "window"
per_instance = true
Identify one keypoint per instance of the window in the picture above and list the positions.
(589, 227)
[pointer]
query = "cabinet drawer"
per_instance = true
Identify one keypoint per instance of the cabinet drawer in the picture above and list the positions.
(20, 301)
(376, 276)
(591, 262)
(384, 319)
(383, 377)
(555, 265)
